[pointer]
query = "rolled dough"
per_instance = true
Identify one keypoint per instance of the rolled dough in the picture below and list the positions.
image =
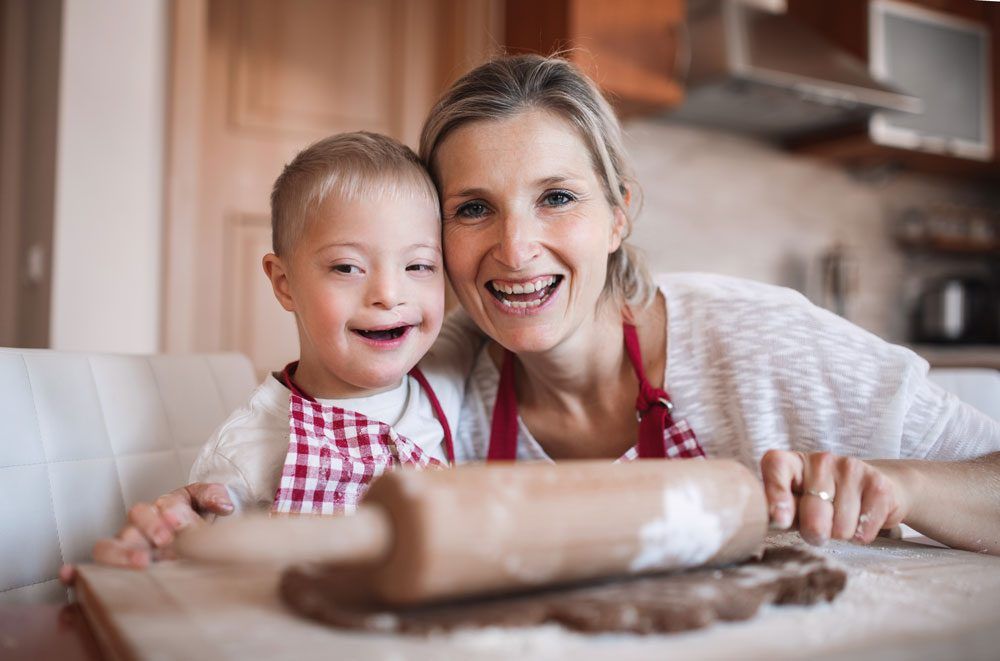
(650, 604)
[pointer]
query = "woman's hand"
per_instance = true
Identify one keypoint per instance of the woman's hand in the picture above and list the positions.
(151, 527)
(831, 497)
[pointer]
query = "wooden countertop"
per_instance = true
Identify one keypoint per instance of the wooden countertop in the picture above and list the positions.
(902, 600)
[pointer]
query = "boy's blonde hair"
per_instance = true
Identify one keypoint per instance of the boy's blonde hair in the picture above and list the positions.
(350, 165)
(509, 85)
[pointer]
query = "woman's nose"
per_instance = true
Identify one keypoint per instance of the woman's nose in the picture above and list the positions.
(517, 246)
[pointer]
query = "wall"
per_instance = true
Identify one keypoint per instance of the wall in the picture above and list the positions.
(106, 260)
(727, 204)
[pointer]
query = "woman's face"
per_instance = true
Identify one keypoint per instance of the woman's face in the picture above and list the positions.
(527, 228)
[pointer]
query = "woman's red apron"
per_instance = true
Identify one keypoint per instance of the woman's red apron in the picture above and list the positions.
(334, 454)
(660, 435)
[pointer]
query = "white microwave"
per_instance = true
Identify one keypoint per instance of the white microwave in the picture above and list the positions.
(945, 61)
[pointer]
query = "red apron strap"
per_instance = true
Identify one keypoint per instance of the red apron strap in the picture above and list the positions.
(449, 445)
(652, 405)
(503, 430)
(286, 378)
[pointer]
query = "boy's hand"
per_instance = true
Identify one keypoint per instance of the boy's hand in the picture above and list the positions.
(152, 526)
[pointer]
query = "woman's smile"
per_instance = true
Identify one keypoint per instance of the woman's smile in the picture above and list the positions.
(525, 297)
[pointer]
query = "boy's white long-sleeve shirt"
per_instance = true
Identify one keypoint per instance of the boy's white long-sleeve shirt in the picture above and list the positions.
(248, 451)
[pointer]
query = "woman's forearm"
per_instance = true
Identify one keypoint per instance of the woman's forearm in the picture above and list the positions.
(956, 503)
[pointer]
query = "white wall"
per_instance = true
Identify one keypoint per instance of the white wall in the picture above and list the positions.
(727, 204)
(106, 266)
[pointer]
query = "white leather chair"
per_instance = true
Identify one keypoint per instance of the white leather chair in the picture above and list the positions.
(83, 436)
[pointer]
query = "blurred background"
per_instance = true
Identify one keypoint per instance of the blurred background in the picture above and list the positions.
(846, 149)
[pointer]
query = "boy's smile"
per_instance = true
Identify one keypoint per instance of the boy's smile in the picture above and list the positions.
(366, 283)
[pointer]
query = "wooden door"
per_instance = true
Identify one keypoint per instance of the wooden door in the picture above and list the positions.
(253, 82)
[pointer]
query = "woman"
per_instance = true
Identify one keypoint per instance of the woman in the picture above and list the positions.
(537, 204)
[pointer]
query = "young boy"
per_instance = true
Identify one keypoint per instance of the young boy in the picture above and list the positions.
(357, 259)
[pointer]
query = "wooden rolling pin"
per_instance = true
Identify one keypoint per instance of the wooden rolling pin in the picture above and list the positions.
(435, 535)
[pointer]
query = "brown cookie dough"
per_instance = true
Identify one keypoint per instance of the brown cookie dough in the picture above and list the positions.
(650, 604)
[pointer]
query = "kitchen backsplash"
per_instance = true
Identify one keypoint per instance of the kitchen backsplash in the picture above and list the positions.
(727, 204)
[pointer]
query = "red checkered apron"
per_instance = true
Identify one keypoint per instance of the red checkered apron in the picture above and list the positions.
(334, 454)
(660, 436)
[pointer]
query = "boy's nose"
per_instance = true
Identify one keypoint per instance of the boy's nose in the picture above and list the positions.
(385, 291)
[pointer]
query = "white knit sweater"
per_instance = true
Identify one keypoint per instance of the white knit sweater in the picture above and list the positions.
(754, 367)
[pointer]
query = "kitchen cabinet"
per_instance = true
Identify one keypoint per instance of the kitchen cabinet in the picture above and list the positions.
(631, 48)
(845, 23)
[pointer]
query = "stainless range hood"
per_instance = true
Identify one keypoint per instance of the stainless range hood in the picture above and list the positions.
(756, 70)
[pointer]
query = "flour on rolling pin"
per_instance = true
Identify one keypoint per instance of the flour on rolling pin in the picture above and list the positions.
(688, 533)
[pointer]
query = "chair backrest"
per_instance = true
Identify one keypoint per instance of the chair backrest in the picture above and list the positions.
(84, 436)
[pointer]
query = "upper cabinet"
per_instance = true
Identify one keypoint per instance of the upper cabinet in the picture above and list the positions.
(847, 23)
(632, 48)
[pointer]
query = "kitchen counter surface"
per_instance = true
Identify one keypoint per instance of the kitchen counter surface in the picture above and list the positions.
(971, 355)
(902, 601)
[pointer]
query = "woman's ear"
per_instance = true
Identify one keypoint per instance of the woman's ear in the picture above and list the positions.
(619, 229)
(275, 271)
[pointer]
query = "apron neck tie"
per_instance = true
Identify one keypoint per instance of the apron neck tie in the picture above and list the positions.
(653, 408)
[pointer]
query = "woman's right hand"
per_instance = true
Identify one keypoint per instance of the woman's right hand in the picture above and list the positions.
(151, 527)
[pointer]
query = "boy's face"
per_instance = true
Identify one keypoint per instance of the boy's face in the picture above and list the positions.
(366, 283)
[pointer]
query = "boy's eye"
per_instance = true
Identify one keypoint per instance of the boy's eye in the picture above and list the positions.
(558, 198)
(349, 269)
(474, 209)
(422, 268)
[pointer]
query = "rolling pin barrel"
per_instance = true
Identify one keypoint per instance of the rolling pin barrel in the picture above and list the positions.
(435, 535)
(501, 528)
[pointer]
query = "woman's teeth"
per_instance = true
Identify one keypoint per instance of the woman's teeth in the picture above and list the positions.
(524, 294)
(526, 287)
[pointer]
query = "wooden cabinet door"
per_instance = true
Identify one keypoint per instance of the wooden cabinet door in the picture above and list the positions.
(255, 81)
(633, 49)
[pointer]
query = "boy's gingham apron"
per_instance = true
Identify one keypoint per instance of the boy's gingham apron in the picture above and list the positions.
(334, 454)
(660, 436)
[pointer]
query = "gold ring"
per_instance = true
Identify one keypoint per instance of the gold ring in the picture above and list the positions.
(825, 496)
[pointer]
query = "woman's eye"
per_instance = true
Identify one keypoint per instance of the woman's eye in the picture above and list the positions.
(349, 269)
(558, 198)
(471, 210)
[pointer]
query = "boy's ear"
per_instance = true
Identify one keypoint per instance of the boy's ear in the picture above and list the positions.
(275, 271)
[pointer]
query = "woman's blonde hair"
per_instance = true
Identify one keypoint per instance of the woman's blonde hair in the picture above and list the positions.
(512, 84)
